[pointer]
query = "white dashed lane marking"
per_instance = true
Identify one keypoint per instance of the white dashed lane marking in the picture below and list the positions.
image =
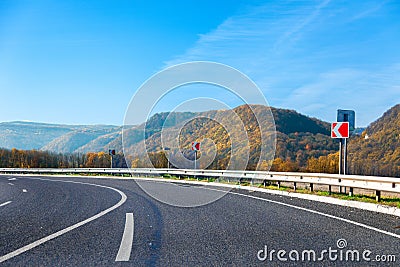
(125, 248)
(5, 203)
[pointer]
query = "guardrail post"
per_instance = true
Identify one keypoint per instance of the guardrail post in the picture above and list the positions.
(252, 181)
(294, 186)
(330, 189)
(378, 195)
(265, 183)
(279, 184)
(311, 187)
(350, 191)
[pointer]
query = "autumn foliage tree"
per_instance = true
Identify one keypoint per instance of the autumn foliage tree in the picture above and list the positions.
(15, 158)
(324, 164)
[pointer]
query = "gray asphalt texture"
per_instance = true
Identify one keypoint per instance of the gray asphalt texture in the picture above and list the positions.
(227, 232)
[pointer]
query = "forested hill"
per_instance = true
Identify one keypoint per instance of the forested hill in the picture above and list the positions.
(303, 143)
(298, 137)
(377, 150)
(289, 121)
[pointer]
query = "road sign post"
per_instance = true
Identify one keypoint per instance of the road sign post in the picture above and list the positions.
(341, 129)
(167, 156)
(111, 152)
(340, 157)
(195, 148)
(345, 157)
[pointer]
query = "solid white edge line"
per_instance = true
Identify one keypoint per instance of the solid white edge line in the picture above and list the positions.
(70, 228)
(125, 248)
(315, 212)
(5, 203)
(382, 209)
(206, 186)
(271, 201)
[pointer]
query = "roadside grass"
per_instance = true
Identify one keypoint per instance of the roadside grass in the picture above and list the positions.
(388, 201)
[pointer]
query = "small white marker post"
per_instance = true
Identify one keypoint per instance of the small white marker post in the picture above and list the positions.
(195, 148)
(195, 158)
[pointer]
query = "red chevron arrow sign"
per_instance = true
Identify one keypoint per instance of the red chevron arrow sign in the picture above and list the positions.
(340, 130)
(195, 146)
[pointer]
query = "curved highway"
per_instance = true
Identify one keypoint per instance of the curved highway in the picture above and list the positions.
(74, 221)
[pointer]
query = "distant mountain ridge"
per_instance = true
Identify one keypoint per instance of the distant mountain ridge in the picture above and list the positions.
(53, 137)
(374, 150)
(63, 138)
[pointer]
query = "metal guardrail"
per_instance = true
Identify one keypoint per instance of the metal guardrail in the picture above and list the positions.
(378, 184)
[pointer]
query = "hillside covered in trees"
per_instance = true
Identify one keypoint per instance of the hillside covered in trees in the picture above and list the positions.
(377, 150)
(302, 143)
(298, 138)
(15, 158)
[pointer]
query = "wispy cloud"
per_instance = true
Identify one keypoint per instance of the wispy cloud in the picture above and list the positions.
(303, 22)
(259, 33)
(309, 56)
(369, 10)
(370, 93)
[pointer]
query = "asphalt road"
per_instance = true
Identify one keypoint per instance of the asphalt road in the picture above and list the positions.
(52, 221)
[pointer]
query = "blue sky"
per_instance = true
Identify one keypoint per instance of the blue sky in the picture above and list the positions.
(80, 62)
